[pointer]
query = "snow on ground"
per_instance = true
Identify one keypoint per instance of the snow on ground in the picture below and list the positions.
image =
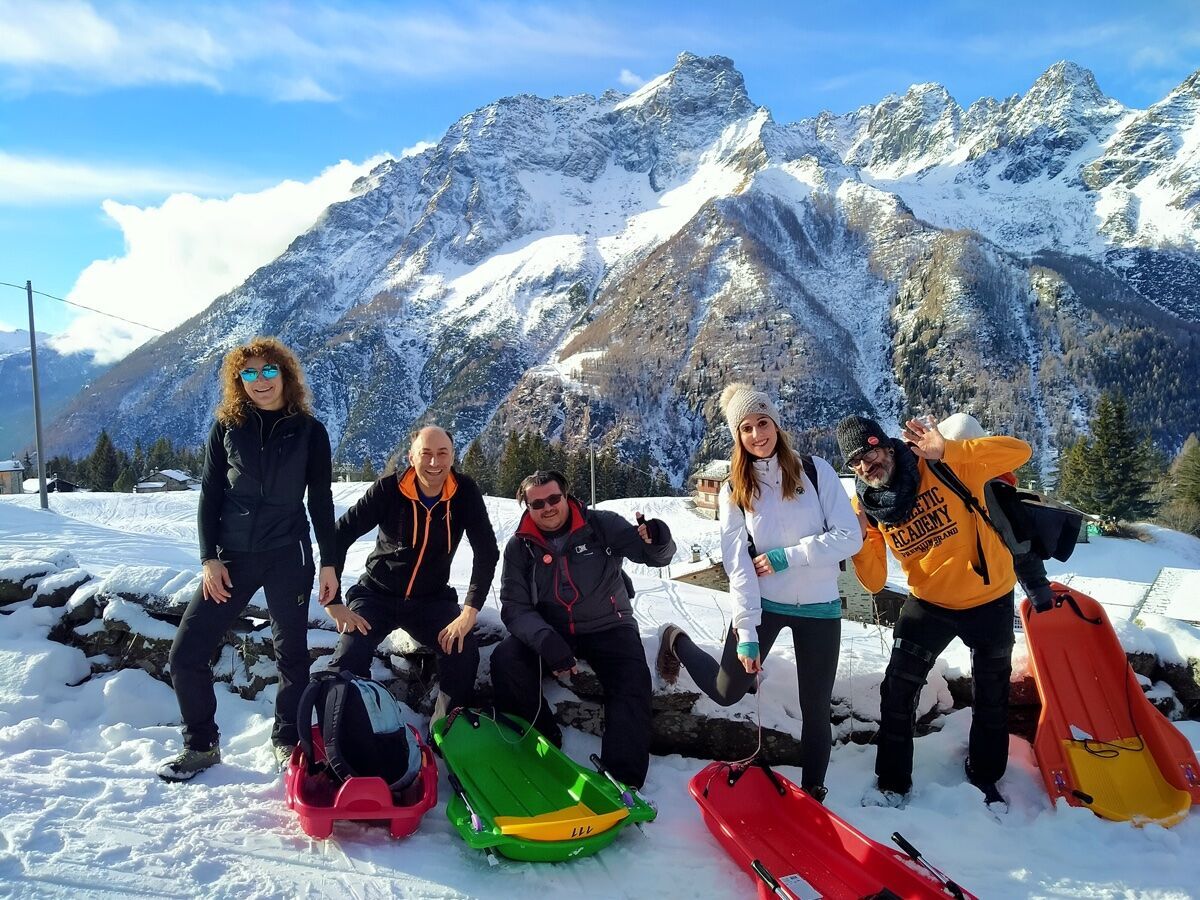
(84, 815)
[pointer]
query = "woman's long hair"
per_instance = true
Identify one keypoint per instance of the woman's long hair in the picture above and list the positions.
(231, 411)
(743, 486)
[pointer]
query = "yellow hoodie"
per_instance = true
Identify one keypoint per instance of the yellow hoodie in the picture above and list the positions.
(936, 544)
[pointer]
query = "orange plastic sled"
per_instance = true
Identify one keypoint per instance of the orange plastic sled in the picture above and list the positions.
(1100, 742)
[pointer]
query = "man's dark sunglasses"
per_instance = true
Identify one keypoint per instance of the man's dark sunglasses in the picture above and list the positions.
(869, 456)
(552, 500)
(269, 371)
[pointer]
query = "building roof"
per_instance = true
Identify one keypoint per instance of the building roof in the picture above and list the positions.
(714, 468)
(11, 465)
(174, 475)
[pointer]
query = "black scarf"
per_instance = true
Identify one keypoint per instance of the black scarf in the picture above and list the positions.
(893, 502)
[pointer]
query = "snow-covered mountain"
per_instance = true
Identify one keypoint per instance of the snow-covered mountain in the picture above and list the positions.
(60, 378)
(598, 268)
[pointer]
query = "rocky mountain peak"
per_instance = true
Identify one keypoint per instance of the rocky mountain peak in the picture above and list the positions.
(708, 84)
(1065, 95)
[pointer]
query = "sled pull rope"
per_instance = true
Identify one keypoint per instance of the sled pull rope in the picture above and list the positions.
(915, 854)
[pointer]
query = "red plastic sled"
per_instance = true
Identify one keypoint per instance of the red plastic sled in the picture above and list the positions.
(319, 802)
(1100, 742)
(794, 847)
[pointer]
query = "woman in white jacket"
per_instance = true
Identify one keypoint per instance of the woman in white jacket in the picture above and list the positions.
(782, 538)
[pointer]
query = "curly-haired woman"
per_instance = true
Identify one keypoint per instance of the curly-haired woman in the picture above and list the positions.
(264, 451)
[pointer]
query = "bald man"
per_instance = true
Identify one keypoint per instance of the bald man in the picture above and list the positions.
(422, 514)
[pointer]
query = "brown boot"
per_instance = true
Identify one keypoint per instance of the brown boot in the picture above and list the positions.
(667, 663)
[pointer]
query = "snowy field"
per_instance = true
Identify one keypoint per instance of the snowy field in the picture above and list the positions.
(84, 815)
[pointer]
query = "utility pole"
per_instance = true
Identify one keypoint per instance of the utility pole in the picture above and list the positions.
(37, 400)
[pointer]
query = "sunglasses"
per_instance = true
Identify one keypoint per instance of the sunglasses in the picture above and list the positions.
(552, 500)
(870, 456)
(269, 371)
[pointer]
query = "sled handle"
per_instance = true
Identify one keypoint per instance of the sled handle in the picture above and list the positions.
(915, 854)
(476, 821)
(769, 880)
(626, 796)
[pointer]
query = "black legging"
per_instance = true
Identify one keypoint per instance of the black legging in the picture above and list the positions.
(816, 642)
(286, 577)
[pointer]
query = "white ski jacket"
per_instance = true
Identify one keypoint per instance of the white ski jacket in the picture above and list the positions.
(816, 530)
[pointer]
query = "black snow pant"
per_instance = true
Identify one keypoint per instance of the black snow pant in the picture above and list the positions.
(619, 660)
(286, 578)
(922, 632)
(423, 618)
(817, 643)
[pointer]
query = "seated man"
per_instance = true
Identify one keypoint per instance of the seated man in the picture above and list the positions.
(564, 597)
(421, 514)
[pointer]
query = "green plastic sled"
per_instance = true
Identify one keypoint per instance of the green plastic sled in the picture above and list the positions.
(519, 795)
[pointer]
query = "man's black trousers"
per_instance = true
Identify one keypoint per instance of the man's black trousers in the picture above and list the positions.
(286, 578)
(922, 632)
(619, 661)
(422, 618)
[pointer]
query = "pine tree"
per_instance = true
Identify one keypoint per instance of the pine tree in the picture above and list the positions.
(103, 466)
(125, 481)
(1187, 471)
(476, 464)
(511, 468)
(161, 456)
(1111, 473)
(138, 462)
(30, 469)
(367, 473)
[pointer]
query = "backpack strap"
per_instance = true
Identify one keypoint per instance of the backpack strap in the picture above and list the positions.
(947, 477)
(304, 712)
(810, 469)
(331, 729)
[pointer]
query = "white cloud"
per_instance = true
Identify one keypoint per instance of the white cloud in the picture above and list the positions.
(184, 253)
(288, 52)
(630, 80)
(26, 180)
(418, 148)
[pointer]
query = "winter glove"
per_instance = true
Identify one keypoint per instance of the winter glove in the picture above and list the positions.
(1041, 598)
(658, 532)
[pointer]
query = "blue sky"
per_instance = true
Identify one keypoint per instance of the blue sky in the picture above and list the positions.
(115, 117)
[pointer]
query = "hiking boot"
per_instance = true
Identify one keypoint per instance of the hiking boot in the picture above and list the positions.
(667, 664)
(876, 796)
(817, 791)
(188, 764)
(992, 798)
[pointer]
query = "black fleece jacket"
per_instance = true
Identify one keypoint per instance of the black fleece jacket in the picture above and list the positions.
(254, 481)
(415, 545)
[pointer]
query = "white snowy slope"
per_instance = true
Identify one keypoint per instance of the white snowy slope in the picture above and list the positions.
(84, 816)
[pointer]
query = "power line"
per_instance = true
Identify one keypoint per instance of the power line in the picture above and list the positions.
(98, 312)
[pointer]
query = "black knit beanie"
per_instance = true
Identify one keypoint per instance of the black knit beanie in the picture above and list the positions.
(857, 434)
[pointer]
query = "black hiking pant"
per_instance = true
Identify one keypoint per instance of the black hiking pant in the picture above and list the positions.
(922, 632)
(422, 618)
(286, 578)
(619, 661)
(817, 643)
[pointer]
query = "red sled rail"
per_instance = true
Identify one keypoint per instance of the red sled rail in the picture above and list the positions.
(793, 847)
(1100, 742)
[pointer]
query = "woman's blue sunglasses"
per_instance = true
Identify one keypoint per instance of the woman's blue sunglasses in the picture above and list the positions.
(269, 371)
